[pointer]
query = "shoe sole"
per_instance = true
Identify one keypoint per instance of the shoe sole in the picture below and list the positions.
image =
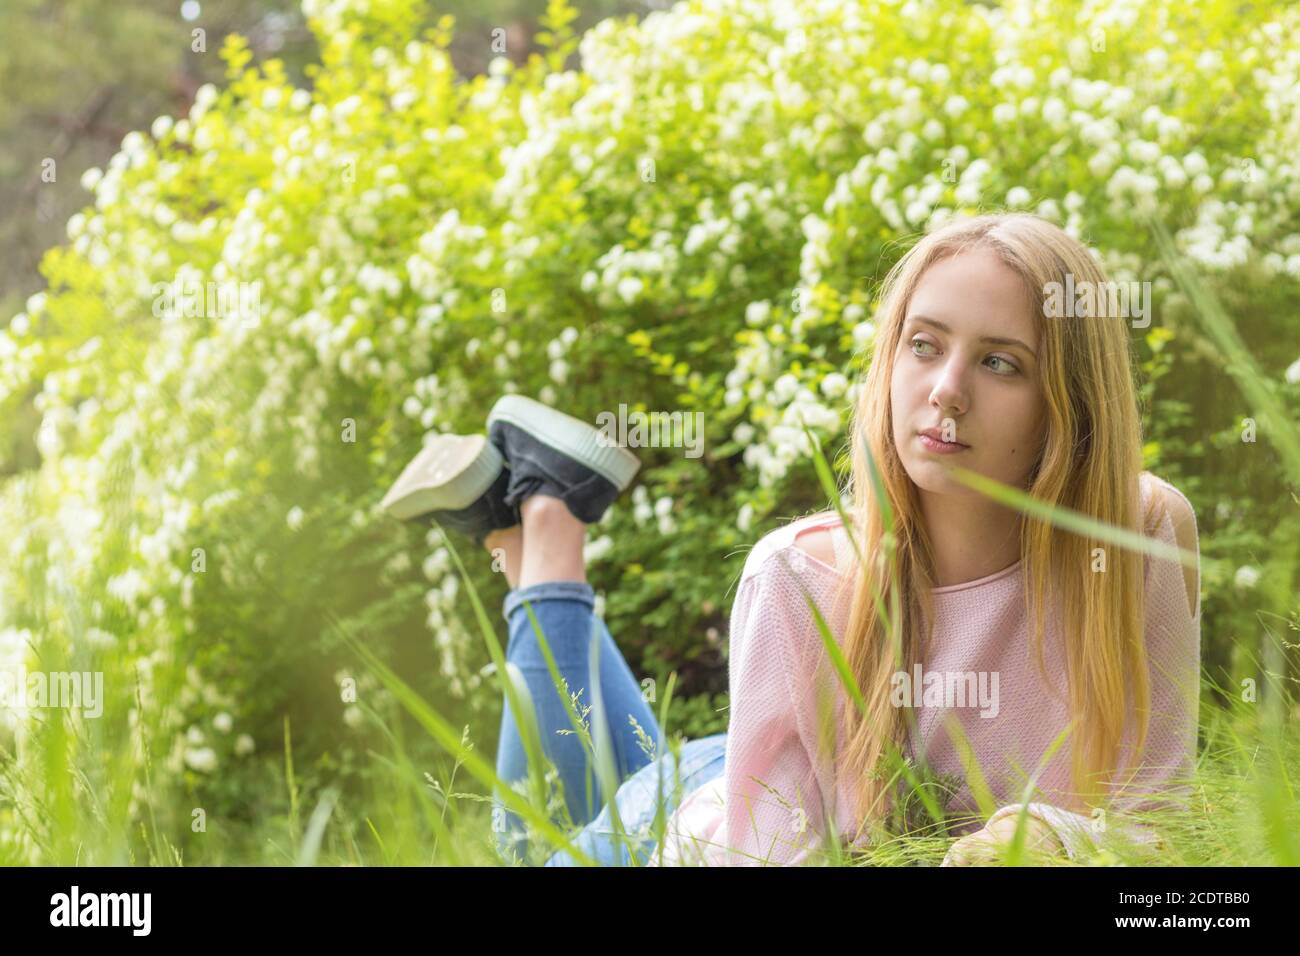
(451, 472)
(569, 436)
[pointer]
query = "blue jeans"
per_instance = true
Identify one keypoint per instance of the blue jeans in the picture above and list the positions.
(565, 612)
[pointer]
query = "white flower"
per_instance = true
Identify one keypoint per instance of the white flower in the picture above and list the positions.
(977, 170)
(223, 722)
(1195, 164)
(785, 388)
(243, 745)
(968, 193)
(436, 564)
(834, 385)
(1144, 151)
(352, 715)
(1018, 197)
(100, 639)
(629, 287)
(205, 96)
(1293, 372)
(642, 512)
(1102, 162)
(203, 759)
(1246, 577)
(863, 333)
(596, 549)
(294, 518)
(757, 313)
(346, 107)
(127, 586)
(789, 441)
(745, 517)
(91, 177)
(161, 127)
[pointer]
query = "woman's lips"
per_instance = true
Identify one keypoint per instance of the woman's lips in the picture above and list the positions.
(939, 446)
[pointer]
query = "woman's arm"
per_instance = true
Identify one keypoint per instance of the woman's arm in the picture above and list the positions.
(774, 811)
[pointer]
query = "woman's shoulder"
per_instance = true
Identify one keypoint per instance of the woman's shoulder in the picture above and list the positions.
(1168, 515)
(772, 600)
(815, 544)
(1161, 499)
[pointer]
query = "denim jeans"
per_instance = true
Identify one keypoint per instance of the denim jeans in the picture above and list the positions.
(565, 612)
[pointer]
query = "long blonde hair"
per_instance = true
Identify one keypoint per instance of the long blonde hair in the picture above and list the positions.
(1090, 462)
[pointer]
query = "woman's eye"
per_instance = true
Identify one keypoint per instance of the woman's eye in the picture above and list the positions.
(1005, 367)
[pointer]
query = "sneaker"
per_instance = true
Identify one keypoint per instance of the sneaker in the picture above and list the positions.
(460, 481)
(552, 453)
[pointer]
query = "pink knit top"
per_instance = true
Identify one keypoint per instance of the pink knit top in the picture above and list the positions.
(771, 803)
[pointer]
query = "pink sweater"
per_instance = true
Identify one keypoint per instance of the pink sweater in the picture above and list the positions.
(980, 626)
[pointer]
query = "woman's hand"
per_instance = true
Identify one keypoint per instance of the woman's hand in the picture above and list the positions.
(982, 846)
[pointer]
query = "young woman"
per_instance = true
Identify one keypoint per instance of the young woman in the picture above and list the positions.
(1009, 635)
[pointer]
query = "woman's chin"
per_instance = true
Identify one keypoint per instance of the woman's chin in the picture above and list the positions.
(935, 477)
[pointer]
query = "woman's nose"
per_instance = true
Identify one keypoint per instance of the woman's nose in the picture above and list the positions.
(949, 392)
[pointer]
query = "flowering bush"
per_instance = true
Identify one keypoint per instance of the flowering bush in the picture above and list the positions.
(696, 219)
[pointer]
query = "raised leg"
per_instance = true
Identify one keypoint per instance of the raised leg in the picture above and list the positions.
(553, 542)
(553, 583)
(546, 547)
(506, 546)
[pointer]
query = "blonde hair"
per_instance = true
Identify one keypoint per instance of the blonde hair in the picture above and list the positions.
(1090, 462)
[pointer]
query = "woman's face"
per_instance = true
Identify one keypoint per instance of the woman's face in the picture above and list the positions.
(967, 367)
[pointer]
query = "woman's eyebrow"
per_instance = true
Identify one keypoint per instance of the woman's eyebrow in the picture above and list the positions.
(991, 339)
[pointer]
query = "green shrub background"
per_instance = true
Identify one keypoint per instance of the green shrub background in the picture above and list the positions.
(696, 218)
